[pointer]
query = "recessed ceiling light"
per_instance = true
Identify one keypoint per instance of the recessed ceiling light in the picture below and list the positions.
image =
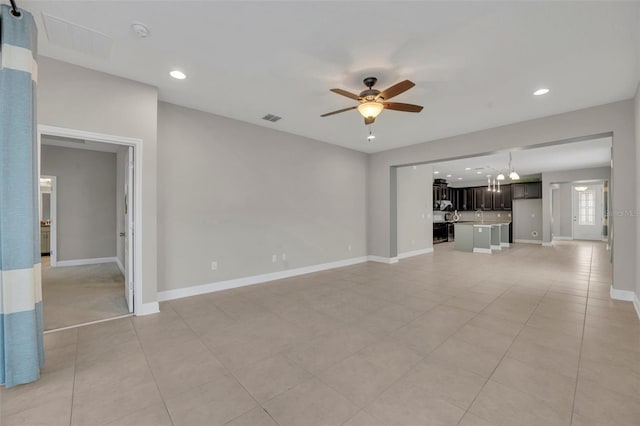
(540, 92)
(479, 172)
(459, 178)
(436, 172)
(467, 168)
(179, 75)
(448, 175)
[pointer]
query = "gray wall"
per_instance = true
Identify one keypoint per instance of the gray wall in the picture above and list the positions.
(527, 220)
(85, 201)
(78, 98)
(238, 193)
(561, 211)
(567, 176)
(616, 117)
(637, 210)
(415, 206)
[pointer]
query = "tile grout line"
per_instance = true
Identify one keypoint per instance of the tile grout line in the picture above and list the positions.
(584, 322)
(503, 355)
(155, 381)
(75, 369)
(424, 357)
(228, 370)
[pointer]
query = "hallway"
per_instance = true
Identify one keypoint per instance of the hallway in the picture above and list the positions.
(75, 295)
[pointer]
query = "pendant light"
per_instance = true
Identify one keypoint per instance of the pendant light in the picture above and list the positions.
(489, 183)
(513, 175)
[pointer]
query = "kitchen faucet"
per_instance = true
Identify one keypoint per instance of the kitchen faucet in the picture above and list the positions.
(481, 216)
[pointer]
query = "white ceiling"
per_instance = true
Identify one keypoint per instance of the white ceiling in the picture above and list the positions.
(475, 64)
(569, 156)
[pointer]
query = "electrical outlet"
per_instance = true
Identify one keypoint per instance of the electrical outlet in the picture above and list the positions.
(498, 214)
(274, 258)
(214, 265)
(284, 256)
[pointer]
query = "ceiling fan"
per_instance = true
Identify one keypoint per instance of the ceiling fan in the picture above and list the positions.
(373, 101)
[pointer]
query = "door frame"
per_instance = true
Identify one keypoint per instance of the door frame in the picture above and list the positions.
(43, 129)
(573, 202)
(53, 215)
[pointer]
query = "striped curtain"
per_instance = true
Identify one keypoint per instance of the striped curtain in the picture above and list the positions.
(21, 349)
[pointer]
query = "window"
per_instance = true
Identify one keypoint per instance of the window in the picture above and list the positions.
(587, 207)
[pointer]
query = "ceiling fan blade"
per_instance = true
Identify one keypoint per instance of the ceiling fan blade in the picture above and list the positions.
(347, 94)
(369, 120)
(396, 89)
(339, 111)
(398, 106)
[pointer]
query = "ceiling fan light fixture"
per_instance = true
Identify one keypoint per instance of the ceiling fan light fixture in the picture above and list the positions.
(370, 109)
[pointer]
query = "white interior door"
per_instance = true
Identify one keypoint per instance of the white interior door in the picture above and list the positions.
(128, 233)
(587, 212)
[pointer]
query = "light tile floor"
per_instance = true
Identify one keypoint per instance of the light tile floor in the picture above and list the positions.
(527, 336)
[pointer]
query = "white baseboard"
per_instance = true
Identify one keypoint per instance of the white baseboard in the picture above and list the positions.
(381, 259)
(81, 262)
(627, 296)
(255, 279)
(528, 241)
(120, 266)
(562, 238)
(415, 253)
(496, 247)
(505, 245)
(481, 250)
(547, 244)
(148, 309)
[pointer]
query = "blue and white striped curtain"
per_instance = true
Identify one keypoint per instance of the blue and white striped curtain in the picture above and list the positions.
(21, 349)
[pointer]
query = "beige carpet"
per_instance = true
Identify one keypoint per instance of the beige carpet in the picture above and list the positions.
(78, 294)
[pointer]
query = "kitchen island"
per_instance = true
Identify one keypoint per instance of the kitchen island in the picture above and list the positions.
(481, 237)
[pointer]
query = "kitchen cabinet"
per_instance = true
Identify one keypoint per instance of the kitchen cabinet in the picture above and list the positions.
(502, 199)
(440, 192)
(526, 190)
(468, 199)
(482, 198)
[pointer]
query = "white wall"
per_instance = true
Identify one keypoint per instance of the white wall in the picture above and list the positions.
(616, 117)
(78, 98)
(85, 201)
(120, 226)
(238, 193)
(415, 206)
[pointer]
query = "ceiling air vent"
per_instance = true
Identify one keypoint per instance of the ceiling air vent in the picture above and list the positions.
(272, 118)
(76, 37)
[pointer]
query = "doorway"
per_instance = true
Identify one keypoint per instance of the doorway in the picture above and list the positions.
(587, 211)
(94, 269)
